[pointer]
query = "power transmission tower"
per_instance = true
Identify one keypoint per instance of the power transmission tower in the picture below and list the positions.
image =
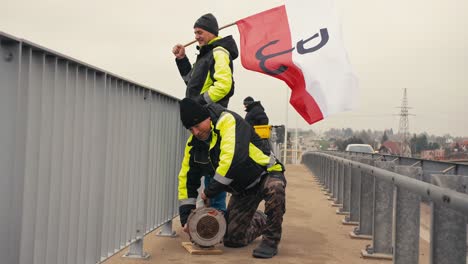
(403, 130)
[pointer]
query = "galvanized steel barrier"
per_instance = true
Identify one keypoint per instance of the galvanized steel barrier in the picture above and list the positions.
(382, 194)
(88, 160)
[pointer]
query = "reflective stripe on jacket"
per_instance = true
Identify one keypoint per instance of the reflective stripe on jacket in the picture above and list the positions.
(211, 77)
(230, 157)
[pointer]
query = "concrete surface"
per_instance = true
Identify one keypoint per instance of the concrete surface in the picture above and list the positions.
(312, 233)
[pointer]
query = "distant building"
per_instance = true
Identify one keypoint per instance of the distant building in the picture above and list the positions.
(459, 146)
(390, 147)
(436, 154)
(463, 144)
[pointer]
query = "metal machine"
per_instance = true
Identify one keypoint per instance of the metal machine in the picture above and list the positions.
(206, 226)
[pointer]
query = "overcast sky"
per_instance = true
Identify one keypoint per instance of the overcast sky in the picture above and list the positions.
(418, 45)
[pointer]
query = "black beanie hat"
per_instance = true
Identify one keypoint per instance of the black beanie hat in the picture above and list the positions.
(248, 100)
(192, 113)
(208, 22)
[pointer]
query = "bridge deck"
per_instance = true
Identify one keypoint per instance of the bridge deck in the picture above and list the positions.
(312, 233)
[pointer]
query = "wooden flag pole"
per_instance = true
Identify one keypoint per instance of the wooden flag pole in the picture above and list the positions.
(223, 27)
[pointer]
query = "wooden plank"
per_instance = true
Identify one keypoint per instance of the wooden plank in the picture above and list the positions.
(196, 250)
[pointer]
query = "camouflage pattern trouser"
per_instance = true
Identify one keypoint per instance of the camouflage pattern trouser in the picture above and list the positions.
(244, 224)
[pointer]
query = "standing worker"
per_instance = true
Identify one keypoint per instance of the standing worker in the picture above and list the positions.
(210, 80)
(255, 112)
(258, 119)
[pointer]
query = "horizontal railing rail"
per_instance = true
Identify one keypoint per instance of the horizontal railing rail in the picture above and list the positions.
(383, 199)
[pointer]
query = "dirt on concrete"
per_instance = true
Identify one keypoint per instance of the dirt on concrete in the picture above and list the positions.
(312, 233)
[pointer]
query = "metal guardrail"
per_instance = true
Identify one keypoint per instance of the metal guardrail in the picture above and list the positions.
(88, 160)
(382, 196)
(428, 166)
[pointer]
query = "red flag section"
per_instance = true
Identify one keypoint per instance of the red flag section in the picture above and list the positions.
(266, 47)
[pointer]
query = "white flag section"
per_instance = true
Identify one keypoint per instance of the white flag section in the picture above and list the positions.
(301, 44)
(327, 72)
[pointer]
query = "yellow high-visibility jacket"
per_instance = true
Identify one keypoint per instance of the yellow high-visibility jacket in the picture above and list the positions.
(229, 156)
(210, 80)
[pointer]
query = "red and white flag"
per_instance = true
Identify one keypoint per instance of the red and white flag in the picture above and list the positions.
(301, 44)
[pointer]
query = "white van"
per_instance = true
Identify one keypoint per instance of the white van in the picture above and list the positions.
(364, 148)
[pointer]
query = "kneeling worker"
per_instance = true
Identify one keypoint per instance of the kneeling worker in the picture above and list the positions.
(221, 145)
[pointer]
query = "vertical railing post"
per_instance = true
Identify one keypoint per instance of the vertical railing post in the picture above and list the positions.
(355, 193)
(325, 174)
(382, 221)
(448, 227)
(166, 230)
(346, 190)
(406, 220)
(332, 189)
(340, 185)
(322, 170)
(328, 173)
(336, 175)
(142, 179)
(366, 202)
(136, 249)
(13, 143)
(329, 176)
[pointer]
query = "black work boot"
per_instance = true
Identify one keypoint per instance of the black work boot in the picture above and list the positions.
(265, 250)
